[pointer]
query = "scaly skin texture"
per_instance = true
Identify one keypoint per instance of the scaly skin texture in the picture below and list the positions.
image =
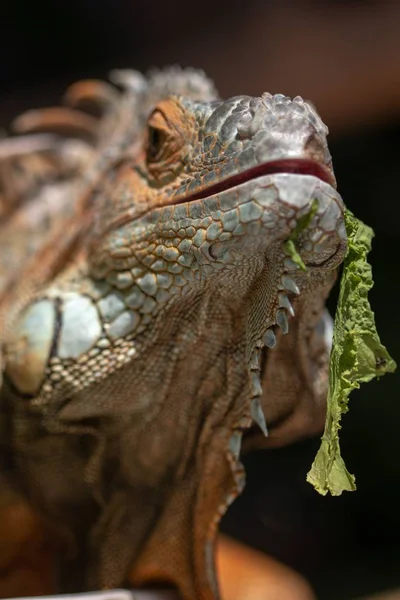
(153, 326)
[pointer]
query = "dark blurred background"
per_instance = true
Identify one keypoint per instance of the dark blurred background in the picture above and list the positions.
(345, 57)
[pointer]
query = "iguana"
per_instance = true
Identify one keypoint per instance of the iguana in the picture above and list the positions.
(153, 324)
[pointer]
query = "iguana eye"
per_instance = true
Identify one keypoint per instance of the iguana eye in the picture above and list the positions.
(167, 134)
(160, 136)
(156, 142)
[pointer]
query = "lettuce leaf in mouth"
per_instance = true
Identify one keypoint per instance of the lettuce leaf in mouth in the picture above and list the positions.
(290, 246)
(357, 356)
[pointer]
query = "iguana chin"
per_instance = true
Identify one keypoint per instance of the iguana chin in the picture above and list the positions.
(153, 318)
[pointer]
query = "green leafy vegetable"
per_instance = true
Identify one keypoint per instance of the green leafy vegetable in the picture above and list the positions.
(303, 222)
(357, 356)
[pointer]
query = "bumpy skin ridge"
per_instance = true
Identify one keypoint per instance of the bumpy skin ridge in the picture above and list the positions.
(160, 319)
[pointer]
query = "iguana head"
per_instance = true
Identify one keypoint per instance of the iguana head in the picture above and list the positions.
(201, 200)
(207, 207)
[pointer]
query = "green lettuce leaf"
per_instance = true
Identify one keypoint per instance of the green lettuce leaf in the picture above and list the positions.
(357, 356)
(303, 222)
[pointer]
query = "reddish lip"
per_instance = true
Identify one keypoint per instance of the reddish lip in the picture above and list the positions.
(300, 166)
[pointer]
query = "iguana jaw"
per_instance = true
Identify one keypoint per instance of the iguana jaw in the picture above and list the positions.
(298, 166)
(283, 166)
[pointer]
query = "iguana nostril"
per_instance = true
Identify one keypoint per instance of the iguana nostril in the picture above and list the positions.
(244, 126)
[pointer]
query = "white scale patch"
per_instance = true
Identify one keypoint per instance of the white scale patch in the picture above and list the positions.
(111, 306)
(125, 323)
(81, 327)
(30, 349)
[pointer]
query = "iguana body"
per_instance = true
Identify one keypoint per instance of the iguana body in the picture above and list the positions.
(139, 333)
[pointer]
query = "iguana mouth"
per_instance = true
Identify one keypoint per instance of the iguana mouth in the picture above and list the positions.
(299, 166)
